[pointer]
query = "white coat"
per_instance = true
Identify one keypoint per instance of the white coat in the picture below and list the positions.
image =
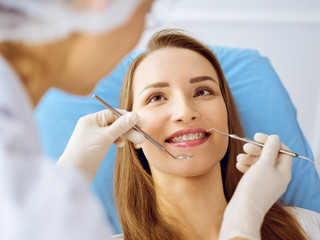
(37, 200)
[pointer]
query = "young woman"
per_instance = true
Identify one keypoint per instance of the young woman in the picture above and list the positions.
(178, 86)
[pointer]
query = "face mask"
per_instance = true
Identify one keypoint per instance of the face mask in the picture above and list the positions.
(42, 21)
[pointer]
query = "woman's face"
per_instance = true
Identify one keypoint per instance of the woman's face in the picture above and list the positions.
(177, 91)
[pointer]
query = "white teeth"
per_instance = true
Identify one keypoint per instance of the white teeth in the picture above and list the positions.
(188, 137)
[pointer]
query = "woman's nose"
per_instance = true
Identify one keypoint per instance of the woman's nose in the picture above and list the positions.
(184, 111)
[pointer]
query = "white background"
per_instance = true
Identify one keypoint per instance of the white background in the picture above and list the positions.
(285, 31)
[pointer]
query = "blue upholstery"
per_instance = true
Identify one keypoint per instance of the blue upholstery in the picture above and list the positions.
(263, 104)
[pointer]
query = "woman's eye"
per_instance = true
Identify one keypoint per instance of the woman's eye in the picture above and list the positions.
(155, 98)
(203, 92)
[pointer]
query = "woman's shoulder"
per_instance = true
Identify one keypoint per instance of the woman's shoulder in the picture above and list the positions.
(118, 236)
(309, 221)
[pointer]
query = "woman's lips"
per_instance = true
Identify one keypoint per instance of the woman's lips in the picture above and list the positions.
(188, 137)
(191, 143)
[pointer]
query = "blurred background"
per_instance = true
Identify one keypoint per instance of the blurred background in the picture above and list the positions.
(285, 31)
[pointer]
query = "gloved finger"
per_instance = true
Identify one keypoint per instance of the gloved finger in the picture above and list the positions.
(285, 160)
(242, 168)
(252, 149)
(104, 118)
(122, 125)
(134, 136)
(261, 137)
(119, 142)
(141, 123)
(270, 150)
(246, 159)
(284, 166)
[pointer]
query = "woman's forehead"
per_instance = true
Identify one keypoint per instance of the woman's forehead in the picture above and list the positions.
(170, 62)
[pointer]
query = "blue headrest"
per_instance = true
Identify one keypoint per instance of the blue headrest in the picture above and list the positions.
(263, 105)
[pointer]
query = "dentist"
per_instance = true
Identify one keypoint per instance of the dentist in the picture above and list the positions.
(64, 44)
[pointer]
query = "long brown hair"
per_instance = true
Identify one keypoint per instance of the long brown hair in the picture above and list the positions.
(136, 202)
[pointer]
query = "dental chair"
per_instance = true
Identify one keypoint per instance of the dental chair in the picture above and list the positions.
(263, 104)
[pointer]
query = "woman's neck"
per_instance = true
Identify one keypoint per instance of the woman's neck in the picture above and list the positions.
(196, 203)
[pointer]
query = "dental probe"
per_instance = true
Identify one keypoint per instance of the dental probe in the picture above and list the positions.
(261, 145)
(135, 127)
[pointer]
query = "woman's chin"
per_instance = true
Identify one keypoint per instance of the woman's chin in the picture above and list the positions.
(80, 91)
(195, 168)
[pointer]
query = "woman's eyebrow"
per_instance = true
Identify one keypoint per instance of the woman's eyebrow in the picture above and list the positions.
(202, 78)
(156, 85)
(166, 84)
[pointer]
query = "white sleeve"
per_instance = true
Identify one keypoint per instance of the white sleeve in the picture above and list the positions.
(40, 201)
(37, 200)
(309, 221)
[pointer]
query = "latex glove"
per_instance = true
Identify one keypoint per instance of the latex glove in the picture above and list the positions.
(94, 134)
(260, 187)
(252, 153)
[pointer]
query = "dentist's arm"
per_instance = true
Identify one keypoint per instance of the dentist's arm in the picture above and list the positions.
(260, 187)
(94, 134)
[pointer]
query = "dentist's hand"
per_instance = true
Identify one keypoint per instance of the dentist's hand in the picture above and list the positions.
(94, 134)
(252, 153)
(260, 187)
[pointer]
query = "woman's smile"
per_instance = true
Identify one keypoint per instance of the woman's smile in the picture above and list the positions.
(188, 137)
